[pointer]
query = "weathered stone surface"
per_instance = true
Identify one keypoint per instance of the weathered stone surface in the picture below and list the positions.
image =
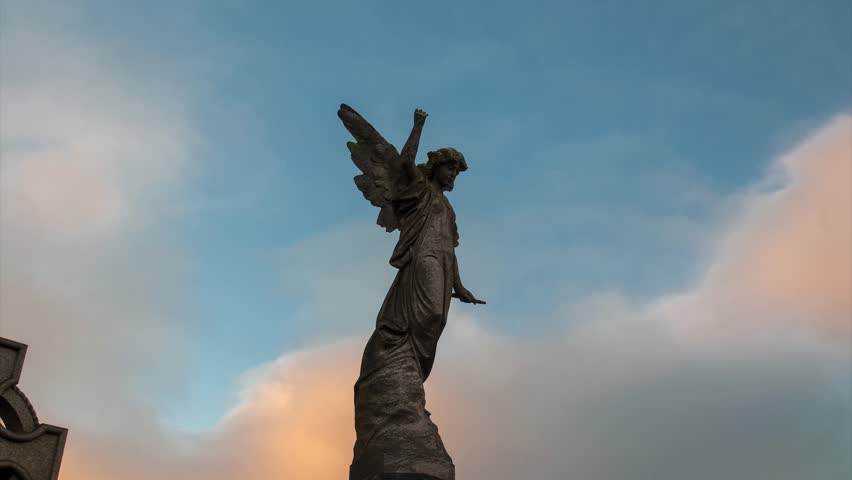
(395, 435)
(403, 476)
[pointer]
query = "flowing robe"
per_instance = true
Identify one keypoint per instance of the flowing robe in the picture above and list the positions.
(394, 429)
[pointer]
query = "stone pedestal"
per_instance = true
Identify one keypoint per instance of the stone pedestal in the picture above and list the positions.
(402, 476)
(395, 434)
(373, 469)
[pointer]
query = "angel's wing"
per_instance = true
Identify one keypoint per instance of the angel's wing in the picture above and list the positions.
(373, 155)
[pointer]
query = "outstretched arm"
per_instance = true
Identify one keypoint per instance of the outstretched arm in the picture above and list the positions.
(462, 293)
(457, 283)
(409, 151)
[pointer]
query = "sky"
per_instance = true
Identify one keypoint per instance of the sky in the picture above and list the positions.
(657, 211)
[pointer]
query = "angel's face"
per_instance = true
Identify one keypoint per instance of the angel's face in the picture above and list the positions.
(445, 175)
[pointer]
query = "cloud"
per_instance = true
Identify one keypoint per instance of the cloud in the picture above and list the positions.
(685, 386)
(293, 422)
(84, 148)
(787, 259)
(794, 251)
(92, 157)
(743, 375)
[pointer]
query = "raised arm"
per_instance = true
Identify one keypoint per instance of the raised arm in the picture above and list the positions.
(409, 151)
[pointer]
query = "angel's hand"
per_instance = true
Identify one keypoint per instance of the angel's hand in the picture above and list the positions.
(466, 296)
(420, 116)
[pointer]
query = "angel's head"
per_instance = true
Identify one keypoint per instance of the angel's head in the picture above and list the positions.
(443, 166)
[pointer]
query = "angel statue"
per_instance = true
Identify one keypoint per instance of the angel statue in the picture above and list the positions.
(395, 435)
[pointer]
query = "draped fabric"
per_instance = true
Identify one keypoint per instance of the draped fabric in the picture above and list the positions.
(392, 424)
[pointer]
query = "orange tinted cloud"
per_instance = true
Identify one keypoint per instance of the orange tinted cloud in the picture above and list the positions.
(623, 395)
(788, 256)
(294, 422)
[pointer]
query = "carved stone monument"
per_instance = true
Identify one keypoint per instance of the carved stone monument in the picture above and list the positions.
(396, 438)
(29, 450)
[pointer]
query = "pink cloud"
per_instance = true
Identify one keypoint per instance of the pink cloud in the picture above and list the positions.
(83, 149)
(632, 392)
(86, 273)
(787, 257)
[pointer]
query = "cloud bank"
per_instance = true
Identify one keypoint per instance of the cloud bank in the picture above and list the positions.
(93, 155)
(744, 375)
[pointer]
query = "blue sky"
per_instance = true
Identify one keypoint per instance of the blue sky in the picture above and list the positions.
(608, 142)
(560, 107)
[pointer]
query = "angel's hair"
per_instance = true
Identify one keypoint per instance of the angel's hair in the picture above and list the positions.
(440, 157)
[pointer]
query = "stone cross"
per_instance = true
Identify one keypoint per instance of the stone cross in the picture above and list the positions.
(29, 450)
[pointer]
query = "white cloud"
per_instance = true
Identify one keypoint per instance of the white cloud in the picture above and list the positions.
(91, 155)
(85, 144)
(745, 375)
(672, 389)
(788, 257)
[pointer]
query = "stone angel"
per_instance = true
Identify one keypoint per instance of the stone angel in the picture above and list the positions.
(393, 427)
